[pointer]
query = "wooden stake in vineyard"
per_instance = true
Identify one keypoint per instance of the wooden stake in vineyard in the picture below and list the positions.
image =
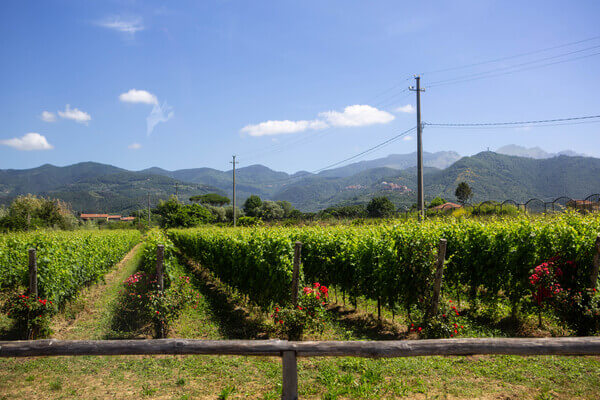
(296, 273)
(437, 283)
(596, 266)
(160, 255)
(33, 289)
(33, 286)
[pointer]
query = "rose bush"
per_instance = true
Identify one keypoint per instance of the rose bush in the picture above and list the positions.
(558, 285)
(31, 315)
(310, 313)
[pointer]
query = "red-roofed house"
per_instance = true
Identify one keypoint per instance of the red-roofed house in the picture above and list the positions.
(87, 217)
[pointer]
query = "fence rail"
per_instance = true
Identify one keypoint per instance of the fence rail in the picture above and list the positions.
(289, 351)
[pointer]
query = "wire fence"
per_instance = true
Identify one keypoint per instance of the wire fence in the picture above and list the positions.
(590, 203)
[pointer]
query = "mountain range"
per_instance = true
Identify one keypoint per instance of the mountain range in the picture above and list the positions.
(94, 187)
(534, 152)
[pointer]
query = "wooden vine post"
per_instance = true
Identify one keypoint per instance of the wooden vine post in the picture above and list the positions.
(296, 272)
(596, 266)
(160, 256)
(33, 286)
(437, 283)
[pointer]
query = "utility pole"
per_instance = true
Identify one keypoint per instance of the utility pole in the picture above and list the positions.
(420, 194)
(176, 191)
(148, 209)
(234, 216)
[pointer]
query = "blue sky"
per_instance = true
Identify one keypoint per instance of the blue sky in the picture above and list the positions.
(294, 85)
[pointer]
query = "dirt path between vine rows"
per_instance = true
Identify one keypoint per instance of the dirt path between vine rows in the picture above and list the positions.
(89, 314)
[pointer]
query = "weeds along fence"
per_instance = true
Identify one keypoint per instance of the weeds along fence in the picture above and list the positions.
(290, 351)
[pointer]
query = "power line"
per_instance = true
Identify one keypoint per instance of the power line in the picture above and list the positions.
(511, 57)
(382, 144)
(518, 126)
(517, 70)
(539, 121)
(354, 157)
(463, 77)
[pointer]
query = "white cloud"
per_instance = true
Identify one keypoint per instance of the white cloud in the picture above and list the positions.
(408, 109)
(29, 141)
(159, 113)
(138, 96)
(76, 115)
(48, 116)
(134, 146)
(407, 138)
(357, 115)
(282, 127)
(125, 25)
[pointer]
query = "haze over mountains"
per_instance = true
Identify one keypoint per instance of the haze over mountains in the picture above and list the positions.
(534, 152)
(94, 187)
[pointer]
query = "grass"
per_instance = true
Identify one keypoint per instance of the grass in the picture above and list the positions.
(238, 377)
(89, 316)
(221, 316)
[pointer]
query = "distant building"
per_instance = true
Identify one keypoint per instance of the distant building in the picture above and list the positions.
(94, 217)
(394, 186)
(355, 187)
(105, 217)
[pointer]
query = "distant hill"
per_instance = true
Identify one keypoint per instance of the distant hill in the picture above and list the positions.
(498, 177)
(534, 152)
(93, 187)
(254, 179)
(492, 176)
(441, 160)
(104, 188)
(48, 177)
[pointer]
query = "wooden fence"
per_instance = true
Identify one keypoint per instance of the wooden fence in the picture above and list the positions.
(289, 351)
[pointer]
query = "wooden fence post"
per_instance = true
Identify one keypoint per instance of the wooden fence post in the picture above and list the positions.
(296, 272)
(289, 390)
(33, 287)
(439, 274)
(596, 266)
(160, 255)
